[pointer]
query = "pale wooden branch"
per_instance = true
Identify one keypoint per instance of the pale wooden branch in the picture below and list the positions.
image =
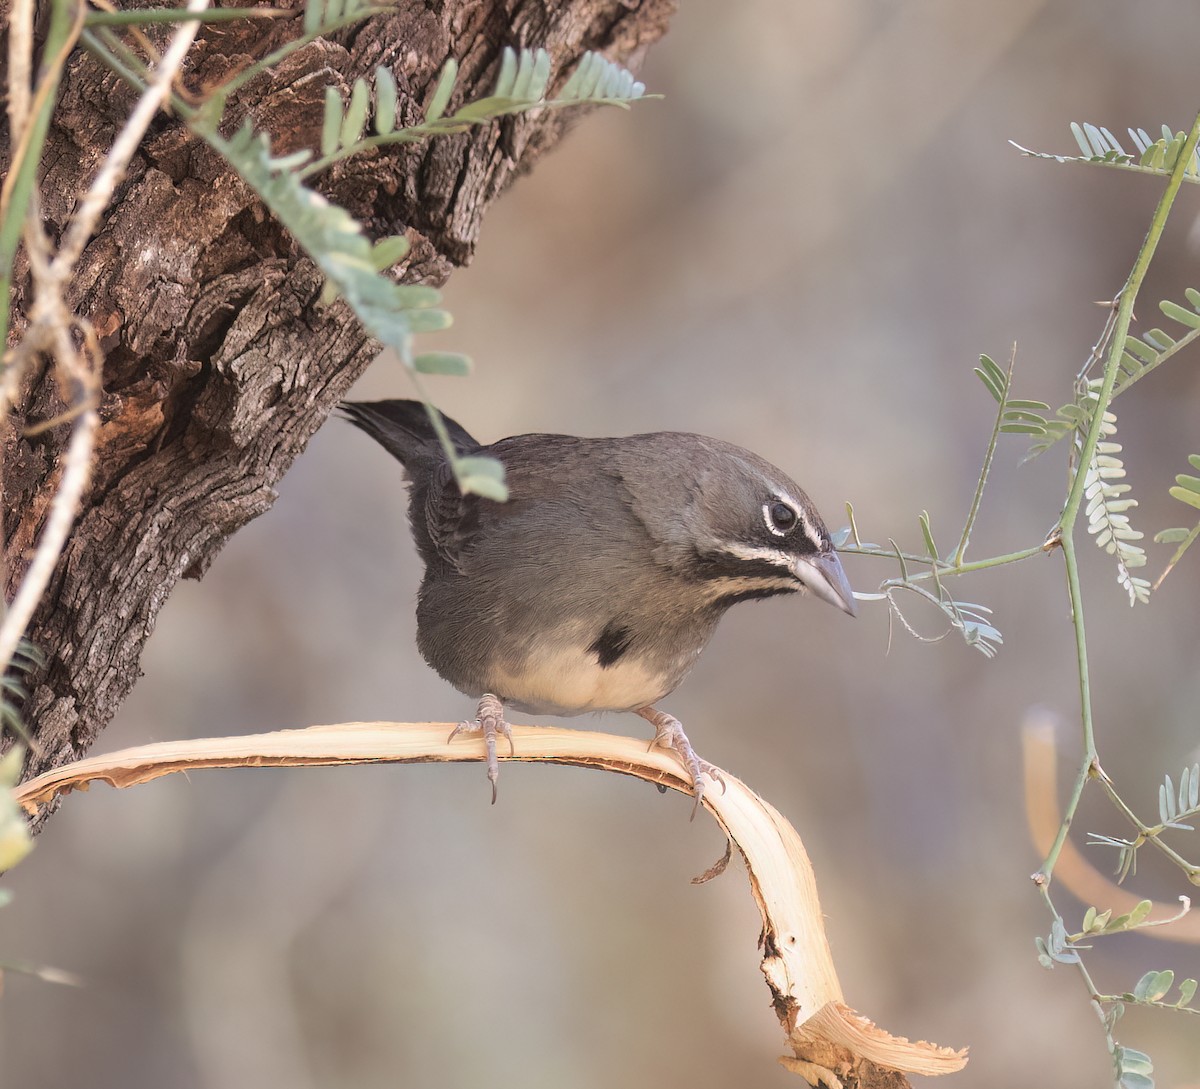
(1073, 871)
(830, 1043)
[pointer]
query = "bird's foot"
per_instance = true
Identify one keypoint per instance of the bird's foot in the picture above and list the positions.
(489, 720)
(668, 734)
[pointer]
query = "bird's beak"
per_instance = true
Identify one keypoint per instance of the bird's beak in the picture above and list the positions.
(824, 576)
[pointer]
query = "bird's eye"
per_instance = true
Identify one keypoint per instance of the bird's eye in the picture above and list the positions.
(781, 519)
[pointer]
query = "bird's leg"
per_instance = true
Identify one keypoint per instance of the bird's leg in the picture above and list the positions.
(668, 734)
(489, 719)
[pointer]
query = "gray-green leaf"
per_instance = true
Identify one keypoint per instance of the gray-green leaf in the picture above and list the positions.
(441, 94)
(385, 100)
(451, 363)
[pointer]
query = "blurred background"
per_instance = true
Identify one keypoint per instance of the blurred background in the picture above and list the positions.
(802, 249)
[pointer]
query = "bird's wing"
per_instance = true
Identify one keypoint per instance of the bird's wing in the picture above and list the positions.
(554, 482)
(451, 518)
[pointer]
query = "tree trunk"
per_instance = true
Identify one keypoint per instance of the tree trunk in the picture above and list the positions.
(220, 360)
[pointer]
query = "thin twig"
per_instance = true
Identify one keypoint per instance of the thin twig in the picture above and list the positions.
(20, 68)
(960, 553)
(1148, 833)
(1120, 326)
(944, 569)
(1066, 523)
(113, 16)
(1187, 543)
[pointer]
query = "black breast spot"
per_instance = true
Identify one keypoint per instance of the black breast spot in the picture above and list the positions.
(611, 643)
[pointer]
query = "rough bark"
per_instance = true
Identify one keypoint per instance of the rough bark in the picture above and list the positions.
(220, 360)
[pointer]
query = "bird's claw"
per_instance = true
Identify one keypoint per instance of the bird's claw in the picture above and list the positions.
(668, 734)
(489, 720)
(713, 772)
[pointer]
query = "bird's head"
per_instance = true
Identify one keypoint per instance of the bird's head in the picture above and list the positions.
(737, 524)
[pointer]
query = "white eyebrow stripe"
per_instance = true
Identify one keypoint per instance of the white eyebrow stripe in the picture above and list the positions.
(809, 530)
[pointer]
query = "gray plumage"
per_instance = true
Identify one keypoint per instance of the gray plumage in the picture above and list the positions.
(611, 544)
(602, 578)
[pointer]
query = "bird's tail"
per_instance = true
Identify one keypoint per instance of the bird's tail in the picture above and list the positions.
(404, 429)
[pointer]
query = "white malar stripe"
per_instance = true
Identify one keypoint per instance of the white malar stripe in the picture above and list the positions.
(734, 584)
(781, 559)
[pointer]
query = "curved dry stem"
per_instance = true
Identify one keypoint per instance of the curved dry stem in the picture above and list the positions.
(828, 1040)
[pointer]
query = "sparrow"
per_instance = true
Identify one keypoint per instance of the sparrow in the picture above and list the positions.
(599, 581)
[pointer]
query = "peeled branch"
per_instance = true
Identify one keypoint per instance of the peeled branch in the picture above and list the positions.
(829, 1043)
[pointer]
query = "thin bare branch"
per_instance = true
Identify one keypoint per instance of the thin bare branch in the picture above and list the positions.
(20, 66)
